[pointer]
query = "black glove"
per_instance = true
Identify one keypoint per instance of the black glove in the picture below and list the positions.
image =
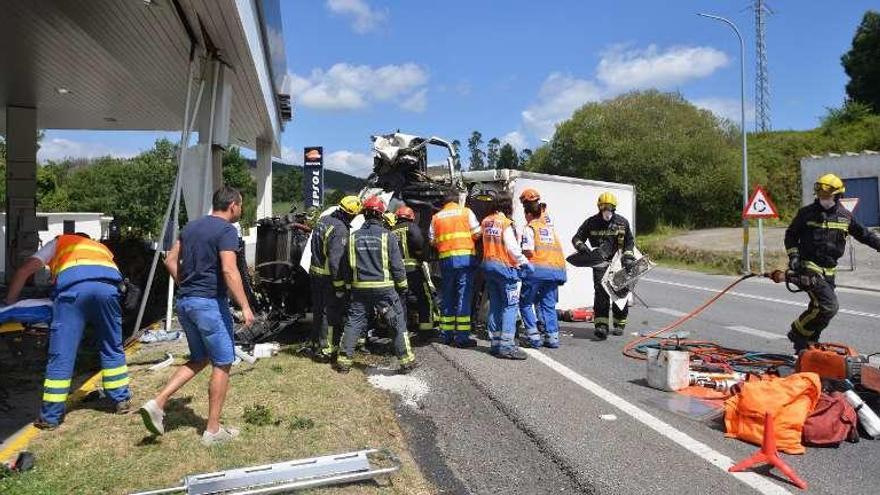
(628, 261)
(581, 247)
(794, 263)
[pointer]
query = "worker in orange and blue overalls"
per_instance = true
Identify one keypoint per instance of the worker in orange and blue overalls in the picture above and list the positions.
(814, 241)
(503, 263)
(540, 288)
(453, 231)
(86, 292)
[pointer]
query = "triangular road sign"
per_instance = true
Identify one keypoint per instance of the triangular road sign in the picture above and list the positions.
(760, 206)
(849, 203)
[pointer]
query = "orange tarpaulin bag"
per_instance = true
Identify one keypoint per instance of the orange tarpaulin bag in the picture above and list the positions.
(790, 399)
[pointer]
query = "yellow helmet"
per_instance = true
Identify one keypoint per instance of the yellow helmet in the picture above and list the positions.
(829, 184)
(351, 205)
(607, 199)
(390, 219)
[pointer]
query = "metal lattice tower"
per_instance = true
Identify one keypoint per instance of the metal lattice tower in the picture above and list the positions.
(762, 75)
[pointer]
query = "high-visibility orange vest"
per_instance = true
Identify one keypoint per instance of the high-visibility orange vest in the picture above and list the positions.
(548, 250)
(452, 231)
(74, 250)
(494, 250)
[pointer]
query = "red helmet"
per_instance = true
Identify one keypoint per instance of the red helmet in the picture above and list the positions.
(405, 212)
(374, 203)
(529, 195)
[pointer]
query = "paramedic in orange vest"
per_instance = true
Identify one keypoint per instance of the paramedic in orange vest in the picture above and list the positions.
(453, 231)
(86, 292)
(541, 246)
(503, 262)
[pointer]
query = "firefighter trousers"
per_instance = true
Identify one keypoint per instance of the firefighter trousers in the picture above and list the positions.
(362, 305)
(327, 315)
(822, 308)
(602, 302)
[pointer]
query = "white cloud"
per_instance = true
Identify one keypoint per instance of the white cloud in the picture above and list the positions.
(559, 96)
(727, 108)
(356, 164)
(350, 87)
(290, 155)
(516, 139)
(60, 148)
(621, 69)
(364, 19)
(417, 102)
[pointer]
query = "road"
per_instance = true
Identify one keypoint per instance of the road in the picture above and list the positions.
(582, 419)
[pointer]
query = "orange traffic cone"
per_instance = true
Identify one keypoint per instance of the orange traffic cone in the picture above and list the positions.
(767, 454)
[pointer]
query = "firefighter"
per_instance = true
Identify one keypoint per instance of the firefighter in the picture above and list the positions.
(814, 241)
(453, 232)
(412, 245)
(503, 262)
(608, 232)
(374, 273)
(86, 292)
(541, 246)
(328, 248)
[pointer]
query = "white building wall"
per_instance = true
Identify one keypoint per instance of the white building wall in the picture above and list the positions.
(93, 224)
(844, 166)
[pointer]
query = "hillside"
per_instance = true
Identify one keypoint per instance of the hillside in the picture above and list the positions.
(333, 179)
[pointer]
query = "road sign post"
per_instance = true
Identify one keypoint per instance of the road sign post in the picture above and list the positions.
(760, 206)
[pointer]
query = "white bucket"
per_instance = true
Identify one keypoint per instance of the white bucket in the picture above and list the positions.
(668, 370)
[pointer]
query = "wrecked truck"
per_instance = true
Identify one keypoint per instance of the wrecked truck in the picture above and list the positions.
(402, 174)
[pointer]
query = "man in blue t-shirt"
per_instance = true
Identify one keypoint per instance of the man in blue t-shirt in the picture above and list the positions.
(203, 264)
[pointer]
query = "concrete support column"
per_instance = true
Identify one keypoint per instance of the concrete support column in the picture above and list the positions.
(264, 178)
(22, 238)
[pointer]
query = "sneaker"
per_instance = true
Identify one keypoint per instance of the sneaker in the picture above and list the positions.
(464, 344)
(617, 331)
(44, 425)
(515, 354)
(153, 416)
(551, 345)
(123, 407)
(534, 344)
(223, 435)
(407, 368)
(601, 333)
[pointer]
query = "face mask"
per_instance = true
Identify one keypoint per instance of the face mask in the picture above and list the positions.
(826, 203)
(607, 214)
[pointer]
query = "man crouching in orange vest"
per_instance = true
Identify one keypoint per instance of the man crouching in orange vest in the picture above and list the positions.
(86, 291)
(453, 231)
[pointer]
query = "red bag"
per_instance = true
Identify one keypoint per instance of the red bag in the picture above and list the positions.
(833, 421)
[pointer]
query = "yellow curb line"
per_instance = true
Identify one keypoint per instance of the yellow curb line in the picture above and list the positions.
(23, 437)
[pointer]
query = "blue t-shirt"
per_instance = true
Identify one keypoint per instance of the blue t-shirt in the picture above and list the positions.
(201, 271)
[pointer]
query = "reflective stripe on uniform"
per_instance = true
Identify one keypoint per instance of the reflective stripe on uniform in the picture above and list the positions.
(453, 235)
(54, 397)
(115, 371)
(116, 383)
(50, 383)
(829, 225)
(457, 252)
(821, 270)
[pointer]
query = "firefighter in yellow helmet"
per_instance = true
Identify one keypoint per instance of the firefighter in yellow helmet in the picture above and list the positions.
(607, 232)
(814, 241)
(328, 243)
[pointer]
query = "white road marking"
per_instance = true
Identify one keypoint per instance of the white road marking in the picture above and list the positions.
(668, 311)
(759, 298)
(710, 455)
(756, 332)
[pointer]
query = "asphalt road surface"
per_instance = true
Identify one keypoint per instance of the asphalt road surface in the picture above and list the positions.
(581, 419)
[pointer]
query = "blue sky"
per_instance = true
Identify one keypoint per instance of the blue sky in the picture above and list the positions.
(513, 69)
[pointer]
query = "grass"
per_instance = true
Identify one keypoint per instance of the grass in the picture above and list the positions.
(287, 408)
(657, 245)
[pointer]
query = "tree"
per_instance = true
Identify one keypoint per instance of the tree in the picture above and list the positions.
(474, 143)
(492, 153)
(684, 165)
(524, 156)
(236, 173)
(862, 62)
(507, 157)
(287, 184)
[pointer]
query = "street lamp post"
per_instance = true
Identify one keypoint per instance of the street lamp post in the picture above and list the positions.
(745, 157)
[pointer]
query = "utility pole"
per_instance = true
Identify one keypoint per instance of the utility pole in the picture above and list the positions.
(762, 75)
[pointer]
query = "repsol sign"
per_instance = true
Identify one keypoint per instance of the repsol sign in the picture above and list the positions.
(313, 176)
